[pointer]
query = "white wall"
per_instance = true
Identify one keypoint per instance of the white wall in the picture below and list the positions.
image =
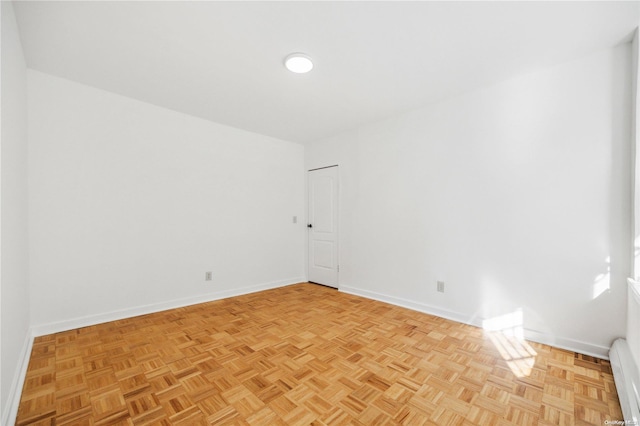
(130, 205)
(14, 265)
(517, 196)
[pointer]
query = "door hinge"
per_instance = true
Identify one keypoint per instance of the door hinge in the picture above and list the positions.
(338, 268)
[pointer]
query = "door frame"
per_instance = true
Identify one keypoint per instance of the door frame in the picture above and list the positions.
(308, 216)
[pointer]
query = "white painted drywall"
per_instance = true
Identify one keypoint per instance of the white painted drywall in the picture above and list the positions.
(130, 204)
(517, 196)
(13, 231)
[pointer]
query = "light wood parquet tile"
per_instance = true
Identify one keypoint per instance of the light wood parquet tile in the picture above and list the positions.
(307, 355)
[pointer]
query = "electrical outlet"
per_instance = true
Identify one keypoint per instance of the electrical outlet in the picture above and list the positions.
(208, 276)
(441, 286)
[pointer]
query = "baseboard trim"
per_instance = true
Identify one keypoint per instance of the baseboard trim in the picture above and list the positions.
(56, 327)
(568, 344)
(413, 305)
(627, 379)
(10, 411)
(532, 335)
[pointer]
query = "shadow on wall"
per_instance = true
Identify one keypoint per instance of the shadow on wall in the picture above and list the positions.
(507, 335)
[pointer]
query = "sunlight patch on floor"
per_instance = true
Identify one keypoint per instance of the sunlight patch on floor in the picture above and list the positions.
(507, 335)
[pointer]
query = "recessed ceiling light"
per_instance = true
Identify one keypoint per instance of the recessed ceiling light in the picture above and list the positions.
(298, 63)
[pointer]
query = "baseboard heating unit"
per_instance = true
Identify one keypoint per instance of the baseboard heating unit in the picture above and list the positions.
(625, 357)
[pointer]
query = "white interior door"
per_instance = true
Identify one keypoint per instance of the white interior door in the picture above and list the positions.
(323, 226)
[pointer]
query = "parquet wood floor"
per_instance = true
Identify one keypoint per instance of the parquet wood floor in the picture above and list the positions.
(306, 354)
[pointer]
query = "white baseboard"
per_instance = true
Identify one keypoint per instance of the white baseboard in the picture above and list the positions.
(568, 344)
(56, 327)
(413, 305)
(10, 410)
(533, 335)
(627, 379)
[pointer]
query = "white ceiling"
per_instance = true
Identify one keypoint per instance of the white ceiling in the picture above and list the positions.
(222, 61)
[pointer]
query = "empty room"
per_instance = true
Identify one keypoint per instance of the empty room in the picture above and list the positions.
(318, 212)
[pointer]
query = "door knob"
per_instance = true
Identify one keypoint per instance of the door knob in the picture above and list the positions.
(309, 226)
